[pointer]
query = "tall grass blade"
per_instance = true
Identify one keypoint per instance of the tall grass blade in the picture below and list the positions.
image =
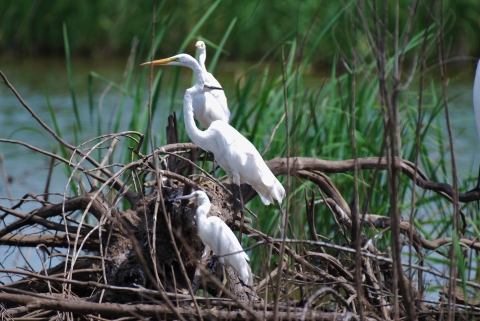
(95, 75)
(70, 76)
(65, 154)
(219, 50)
(197, 26)
(460, 261)
(90, 96)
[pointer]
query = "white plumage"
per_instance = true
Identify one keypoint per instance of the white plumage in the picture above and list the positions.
(220, 238)
(212, 105)
(233, 152)
(476, 97)
(208, 106)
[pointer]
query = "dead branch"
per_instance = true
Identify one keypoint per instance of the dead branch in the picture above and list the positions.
(278, 167)
(158, 310)
(55, 240)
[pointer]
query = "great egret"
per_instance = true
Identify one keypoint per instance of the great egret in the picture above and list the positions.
(208, 106)
(213, 104)
(220, 238)
(476, 107)
(476, 97)
(233, 152)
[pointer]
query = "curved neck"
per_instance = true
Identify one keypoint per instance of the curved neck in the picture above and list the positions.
(202, 211)
(197, 136)
(201, 59)
(197, 70)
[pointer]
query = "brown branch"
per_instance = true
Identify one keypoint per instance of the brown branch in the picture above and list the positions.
(98, 207)
(379, 221)
(332, 262)
(310, 212)
(278, 167)
(384, 222)
(146, 293)
(379, 258)
(257, 235)
(156, 310)
(382, 302)
(32, 218)
(59, 239)
(178, 147)
(326, 185)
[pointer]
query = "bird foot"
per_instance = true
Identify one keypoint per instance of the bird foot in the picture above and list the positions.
(224, 282)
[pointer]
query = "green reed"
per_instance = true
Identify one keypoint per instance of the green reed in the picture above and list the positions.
(319, 124)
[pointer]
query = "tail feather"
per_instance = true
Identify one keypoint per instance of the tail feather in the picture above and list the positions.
(265, 199)
(278, 191)
(270, 192)
(246, 275)
(239, 263)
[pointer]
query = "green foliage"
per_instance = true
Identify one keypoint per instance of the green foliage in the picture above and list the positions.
(102, 28)
(319, 112)
(460, 261)
(70, 77)
(63, 150)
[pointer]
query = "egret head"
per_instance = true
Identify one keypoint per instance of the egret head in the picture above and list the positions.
(197, 196)
(177, 60)
(200, 45)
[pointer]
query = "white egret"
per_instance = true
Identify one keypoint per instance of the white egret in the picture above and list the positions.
(211, 105)
(220, 238)
(202, 56)
(208, 106)
(476, 97)
(233, 152)
(476, 107)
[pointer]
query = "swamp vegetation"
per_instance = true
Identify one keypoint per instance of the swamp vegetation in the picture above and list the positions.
(376, 228)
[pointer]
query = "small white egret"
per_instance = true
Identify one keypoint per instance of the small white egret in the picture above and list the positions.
(233, 152)
(220, 238)
(214, 103)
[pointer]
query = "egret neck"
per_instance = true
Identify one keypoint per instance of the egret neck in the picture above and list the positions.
(201, 213)
(197, 136)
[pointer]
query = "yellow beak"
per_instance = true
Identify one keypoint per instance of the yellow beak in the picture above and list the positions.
(158, 62)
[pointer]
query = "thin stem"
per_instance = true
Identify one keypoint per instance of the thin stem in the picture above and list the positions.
(283, 213)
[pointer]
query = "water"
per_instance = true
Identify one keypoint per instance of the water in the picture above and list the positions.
(27, 171)
(34, 79)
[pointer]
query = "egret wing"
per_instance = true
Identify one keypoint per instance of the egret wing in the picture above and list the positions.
(225, 240)
(216, 109)
(263, 181)
(230, 154)
(219, 95)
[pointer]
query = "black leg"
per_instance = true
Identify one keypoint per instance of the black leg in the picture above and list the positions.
(242, 210)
